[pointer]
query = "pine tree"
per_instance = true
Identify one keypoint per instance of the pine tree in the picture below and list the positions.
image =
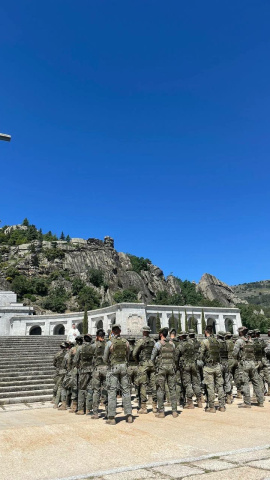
(62, 236)
(186, 321)
(203, 322)
(158, 323)
(172, 321)
(68, 238)
(85, 321)
(25, 222)
(179, 329)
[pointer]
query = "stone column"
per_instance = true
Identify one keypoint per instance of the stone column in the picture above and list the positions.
(164, 320)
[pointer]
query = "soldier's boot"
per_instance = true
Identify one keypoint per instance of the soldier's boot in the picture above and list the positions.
(268, 391)
(228, 399)
(63, 406)
(111, 421)
(174, 414)
(160, 415)
(222, 409)
(199, 402)
(154, 407)
(260, 405)
(190, 404)
(87, 412)
(53, 399)
(210, 410)
(143, 408)
(129, 419)
(239, 394)
(94, 416)
(80, 412)
(55, 406)
(253, 399)
(244, 405)
(74, 406)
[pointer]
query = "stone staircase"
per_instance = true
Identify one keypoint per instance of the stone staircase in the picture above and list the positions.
(26, 368)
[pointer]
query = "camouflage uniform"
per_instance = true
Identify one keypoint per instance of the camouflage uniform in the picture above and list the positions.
(232, 364)
(186, 358)
(84, 362)
(73, 375)
(57, 362)
(224, 362)
(164, 356)
(246, 371)
(116, 355)
(65, 390)
(212, 373)
(146, 371)
(99, 377)
(132, 367)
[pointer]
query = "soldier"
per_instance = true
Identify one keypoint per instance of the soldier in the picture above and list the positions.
(244, 352)
(65, 390)
(173, 337)
(116, 355)
(267, 359)
(132, 367)
(146, 372)
(99, 374)
(164, 356)
(197, 346)
(212, 371)
(57, 362)
(84, 362)
(262, 359)
(185, 352)
(235, 373)
(232, 364)
(73, 382)
(224, 362)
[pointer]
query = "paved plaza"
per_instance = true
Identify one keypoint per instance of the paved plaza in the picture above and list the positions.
(46, 444)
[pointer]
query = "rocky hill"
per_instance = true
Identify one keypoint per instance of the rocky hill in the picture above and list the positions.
(256, 293)
(214, 289)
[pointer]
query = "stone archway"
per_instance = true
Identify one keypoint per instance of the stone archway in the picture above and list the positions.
(152, 323)
(35, 330)
(80, 327)
(59, 329)
(193, 323)
(99, 324)
(212, 323)
(229, 325)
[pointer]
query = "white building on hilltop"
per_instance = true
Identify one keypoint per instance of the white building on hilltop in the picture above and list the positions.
(16, 319)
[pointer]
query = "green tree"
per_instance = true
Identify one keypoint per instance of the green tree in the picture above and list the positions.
(203, 322)
(25, 222)
(31, 233)
(172, 321)
(186, 321)
(68, 238)
(77, 285)
(62, 236)
(179, 323)
(127, 295)
(88, 298)
(95, 277)
(56, 300)
(139, 263)
(158, 322)
(85, 321)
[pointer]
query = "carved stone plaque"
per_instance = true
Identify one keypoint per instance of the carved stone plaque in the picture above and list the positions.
(134, 324)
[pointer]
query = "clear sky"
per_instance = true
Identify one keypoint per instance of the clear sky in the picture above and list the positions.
(144, 120)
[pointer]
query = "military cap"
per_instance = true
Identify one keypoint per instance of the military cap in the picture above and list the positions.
(191, 331)
(182, 334)
(131, 339)
(228, 334)
(67, 343)
(235, 335)
(257, 330)
(63, 345)
(156, 337)
(163, 329)
(172, 330)
(79, 338)
(146, 328)
(250, 332)
(87, 337)
(241, 329)
(116, 325)
(100, 332)
(221, 334)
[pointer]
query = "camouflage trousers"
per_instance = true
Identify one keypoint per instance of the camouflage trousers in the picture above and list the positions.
(115, 376)
(132, 373)
(146, 377)
(99, 387)
(59, 384)
(85, 392)
(264, 373)
(166, 373)
(191, 380)
(226, 378)
(70, 386)
(246, 372)
(213, 380)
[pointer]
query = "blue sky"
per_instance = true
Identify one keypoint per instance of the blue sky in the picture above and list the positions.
(147, 121)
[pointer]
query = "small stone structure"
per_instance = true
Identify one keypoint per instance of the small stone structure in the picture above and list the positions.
(16, 319)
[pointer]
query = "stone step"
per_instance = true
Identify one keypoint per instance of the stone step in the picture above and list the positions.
(25, 387)
(25, 360)
(26, 399)
(25, 393)
(31, 369)
(26, 374)
(29, 380)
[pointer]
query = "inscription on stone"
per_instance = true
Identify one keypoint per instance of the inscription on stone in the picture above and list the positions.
(134, 324)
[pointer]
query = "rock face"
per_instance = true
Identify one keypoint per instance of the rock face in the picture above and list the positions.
(79, 256)
(213, 289)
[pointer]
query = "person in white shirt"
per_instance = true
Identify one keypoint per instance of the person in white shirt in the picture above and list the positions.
(73, 333)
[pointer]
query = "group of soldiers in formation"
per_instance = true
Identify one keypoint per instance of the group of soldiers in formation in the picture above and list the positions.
(173, 368)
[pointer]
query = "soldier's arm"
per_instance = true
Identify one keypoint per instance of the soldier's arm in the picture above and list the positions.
(107, 352)
(155, 351)
(77, 357)
(136, 350)
(204, 345)
(237, 348)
